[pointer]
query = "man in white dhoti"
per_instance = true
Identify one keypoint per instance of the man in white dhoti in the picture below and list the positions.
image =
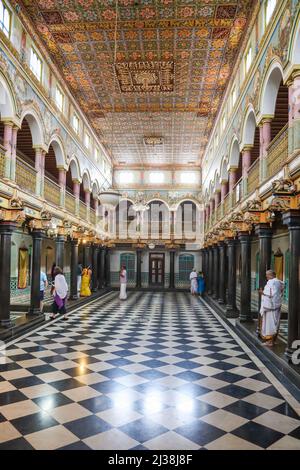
(123, 283)
(194, 282)
(271, 300)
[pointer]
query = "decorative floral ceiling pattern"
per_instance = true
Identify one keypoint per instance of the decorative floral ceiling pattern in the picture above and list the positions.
(200, 38)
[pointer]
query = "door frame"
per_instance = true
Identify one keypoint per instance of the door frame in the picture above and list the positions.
(150, 269)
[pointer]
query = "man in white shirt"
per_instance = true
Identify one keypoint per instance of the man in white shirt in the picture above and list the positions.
(271, 300)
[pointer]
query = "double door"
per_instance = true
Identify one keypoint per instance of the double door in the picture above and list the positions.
(156, 269)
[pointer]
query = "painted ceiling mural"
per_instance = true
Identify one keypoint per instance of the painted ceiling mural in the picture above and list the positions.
(173, 61)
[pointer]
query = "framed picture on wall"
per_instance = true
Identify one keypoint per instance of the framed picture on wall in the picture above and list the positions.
(23, 265)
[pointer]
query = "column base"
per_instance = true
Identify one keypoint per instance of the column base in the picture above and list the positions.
(289, 353)
(231, 312)
(34, 311)
(74, 297)
(7, 323)
(246, 318)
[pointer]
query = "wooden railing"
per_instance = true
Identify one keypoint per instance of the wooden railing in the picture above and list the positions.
(51, 191)
(25, 176)
(70, 203)
(277, 152)
(82, 210)
(253, 177)
(2, 163)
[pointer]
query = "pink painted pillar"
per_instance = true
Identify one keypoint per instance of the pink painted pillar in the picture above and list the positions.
(13, 162)
(87, 198)
(246, 160)
(217, 198)
(232, 178)
(7, 140)
(294, 113)
(266, 131)
(62, 176)
(224, 186)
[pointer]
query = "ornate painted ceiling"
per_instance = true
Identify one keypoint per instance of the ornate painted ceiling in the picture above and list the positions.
(173, 61)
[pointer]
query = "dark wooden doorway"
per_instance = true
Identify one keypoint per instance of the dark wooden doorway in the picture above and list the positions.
(157, 269)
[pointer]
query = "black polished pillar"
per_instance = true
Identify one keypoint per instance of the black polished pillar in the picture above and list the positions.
(245, 309)
(138, 268)
(264, 233)
(60, 251)
(101, 268)
(222, 271)
(172, 269)
(107, 267)
(74, 268)
(292, 220)
(95, 250)
(6, 230)
(216, 272)
(210, 270)
(231, 311)
(86, 255)
(37, 237)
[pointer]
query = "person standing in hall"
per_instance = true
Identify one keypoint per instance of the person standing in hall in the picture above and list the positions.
(123, 283)
(60, 292)
(85, 290)
(271, 300)
(201, 284)
(194, 283)
(43, 286)
(79, 274)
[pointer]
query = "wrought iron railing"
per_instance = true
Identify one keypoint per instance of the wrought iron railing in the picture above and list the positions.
(51, 191)
(277, 152)
(25, 176)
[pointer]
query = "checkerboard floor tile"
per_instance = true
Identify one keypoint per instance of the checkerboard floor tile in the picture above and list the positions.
(160, 371)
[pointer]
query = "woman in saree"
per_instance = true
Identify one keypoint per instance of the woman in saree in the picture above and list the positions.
(85, 290)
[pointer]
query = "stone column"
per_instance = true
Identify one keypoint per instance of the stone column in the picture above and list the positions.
(107, 267)
(86, 255)
(7, 144)
(292, 220)
(231, 311)
(59, 250)
(222, 271)
(13, 162)
(216, 272)
(210, 270)
(224, 187)
(172, 269)
(40, 173)
(102, 268)
(74, 266)
(138, 268)
(62, 184)
(37, 237)
(265, 140)
(246, 163)
(232, 182)
(6, 231)
(264, 233)
(76, 193)
(245, 241)
(95, 249)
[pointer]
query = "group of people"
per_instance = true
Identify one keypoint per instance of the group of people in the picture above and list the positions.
(197, 283)
(84, 279)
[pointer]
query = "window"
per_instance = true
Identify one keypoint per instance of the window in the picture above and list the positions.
(59, 98)
(75, 123)
(5, 19)
(128, 260)
(156, 178)
(248, 59)
(36, 64)
(126, 177)
(87, 140)
(188, 177)
(186, 265)
(269, 10)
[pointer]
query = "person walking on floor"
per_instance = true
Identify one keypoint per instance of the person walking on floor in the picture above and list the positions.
(201, 284)
(271, 300)
(194, 283)
(43, 286)
(60, 292)
(123, 283)
(79, 274)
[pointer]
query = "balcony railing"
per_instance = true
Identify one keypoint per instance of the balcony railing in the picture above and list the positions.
(70, 203)
(51, 191)
(277, 152)
(92, 216)
(25, 176)
(219, 213)
(253, 177)
(226, 204)
(2, 163)
(237, 192)
(82, 210)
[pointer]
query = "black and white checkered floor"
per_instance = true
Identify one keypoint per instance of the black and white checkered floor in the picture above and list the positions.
(159, 371)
